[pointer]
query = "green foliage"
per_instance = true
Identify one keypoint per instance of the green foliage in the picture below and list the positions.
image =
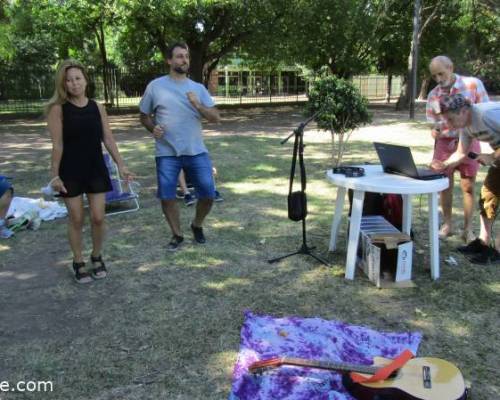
(340, 109)
(347, 36)
(392, 36)
(333, 33)
(479, 32)
(212, 29)
(488, 70)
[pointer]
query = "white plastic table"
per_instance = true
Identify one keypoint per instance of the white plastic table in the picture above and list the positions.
(376, 180)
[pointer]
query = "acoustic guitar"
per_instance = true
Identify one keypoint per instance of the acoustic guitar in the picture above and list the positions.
(419, 379)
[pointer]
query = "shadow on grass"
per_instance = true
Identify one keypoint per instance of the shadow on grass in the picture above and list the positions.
(170, 323)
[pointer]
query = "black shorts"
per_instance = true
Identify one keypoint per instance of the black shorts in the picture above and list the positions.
(76, 187)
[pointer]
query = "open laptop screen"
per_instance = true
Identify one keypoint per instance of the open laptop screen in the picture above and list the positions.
(399, 160)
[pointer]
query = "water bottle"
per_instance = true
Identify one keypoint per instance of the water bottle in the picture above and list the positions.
(48, 192)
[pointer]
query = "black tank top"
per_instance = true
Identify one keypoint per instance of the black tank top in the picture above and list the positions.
(82, 137)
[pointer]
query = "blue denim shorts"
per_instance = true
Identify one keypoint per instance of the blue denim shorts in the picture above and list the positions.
(198, 170)
(4, 185)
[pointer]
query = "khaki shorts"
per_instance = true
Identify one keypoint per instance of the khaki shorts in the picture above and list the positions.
(490, 192)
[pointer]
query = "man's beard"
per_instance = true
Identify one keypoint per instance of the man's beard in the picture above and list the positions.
(181, 69)
(449, 83)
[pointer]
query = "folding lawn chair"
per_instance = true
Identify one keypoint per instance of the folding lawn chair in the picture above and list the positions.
(123, 193)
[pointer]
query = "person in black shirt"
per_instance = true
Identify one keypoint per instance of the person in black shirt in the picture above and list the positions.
(78, 127)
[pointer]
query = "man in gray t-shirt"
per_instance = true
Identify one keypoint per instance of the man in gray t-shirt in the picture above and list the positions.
(482, 122)
(171, 109)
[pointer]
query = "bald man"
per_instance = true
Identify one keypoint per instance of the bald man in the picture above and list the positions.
(446, 140)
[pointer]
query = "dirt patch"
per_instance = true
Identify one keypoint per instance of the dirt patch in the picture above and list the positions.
(177, 317)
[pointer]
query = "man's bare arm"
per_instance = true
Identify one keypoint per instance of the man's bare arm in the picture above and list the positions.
(210, 113)
(148, 122)
(464, 143)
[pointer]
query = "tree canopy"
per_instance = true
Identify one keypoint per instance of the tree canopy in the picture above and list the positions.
(347, 36)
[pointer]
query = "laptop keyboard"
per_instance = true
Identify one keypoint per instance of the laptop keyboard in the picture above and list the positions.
(426, 172)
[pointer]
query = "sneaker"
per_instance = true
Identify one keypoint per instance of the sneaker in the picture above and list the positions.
(490, 256)
(474, 247)
(179, 193)
(189, 199)
(199, 237)
(5, 232)
(175, 243)
(218, 198)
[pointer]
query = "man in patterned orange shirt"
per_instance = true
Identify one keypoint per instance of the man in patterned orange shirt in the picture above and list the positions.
(446, 139)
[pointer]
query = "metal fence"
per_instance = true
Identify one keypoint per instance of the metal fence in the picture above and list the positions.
(27, 91)
(375, 87)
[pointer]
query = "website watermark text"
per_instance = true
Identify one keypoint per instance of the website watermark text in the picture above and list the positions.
(26, 386)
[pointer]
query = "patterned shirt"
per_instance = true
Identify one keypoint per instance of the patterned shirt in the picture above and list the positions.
(470, 87)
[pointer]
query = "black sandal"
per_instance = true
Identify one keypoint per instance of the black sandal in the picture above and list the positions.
(99, 272)
(81, 276)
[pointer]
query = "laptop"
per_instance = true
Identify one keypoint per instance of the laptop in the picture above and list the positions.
(398, 160)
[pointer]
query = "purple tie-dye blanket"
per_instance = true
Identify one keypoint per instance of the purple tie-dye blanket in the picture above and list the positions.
(263, 336)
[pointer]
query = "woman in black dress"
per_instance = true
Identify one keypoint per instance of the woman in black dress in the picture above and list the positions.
(77, 126)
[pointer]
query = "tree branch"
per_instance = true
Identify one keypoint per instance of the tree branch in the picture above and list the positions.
(430, 18)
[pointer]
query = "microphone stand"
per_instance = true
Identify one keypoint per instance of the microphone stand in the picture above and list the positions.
(304, 248)
(300, 129)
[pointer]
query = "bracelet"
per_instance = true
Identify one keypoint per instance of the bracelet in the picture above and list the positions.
(54, 179)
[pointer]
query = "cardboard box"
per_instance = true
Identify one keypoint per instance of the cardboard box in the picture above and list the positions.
(384, 253)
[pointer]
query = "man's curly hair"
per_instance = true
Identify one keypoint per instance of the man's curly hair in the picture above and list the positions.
(453, 103)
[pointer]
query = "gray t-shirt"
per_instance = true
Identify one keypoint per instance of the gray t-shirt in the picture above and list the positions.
(485, 123)
(166, 98)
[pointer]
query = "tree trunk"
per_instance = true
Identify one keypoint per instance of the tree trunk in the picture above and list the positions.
(64, 52)
(424, 87)
(407, 96)
(196, 62)
(403, 99)
(208, 72)
(389, 88)
(409, 91)
(106, 81)
(334, 158)
(413, 59)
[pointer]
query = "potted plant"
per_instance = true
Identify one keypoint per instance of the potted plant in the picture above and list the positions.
(340, 109)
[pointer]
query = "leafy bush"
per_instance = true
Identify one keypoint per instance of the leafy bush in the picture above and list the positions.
(488, 71)
(340, 109)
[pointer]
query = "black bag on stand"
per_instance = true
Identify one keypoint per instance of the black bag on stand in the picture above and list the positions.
(297, 201)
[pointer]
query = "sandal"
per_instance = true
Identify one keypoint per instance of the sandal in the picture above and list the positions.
(99, 272)
(81, 276)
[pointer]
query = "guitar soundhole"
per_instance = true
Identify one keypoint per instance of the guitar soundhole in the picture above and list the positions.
(426, 375)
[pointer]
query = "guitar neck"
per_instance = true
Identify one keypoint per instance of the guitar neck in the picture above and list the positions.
(335, 366)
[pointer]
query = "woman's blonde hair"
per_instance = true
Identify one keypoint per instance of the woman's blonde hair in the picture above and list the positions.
(60, 95)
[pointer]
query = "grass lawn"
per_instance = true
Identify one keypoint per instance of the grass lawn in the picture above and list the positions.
(166, 326)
